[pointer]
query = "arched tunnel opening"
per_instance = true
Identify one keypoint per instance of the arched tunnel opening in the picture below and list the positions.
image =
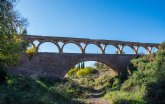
(92, 74)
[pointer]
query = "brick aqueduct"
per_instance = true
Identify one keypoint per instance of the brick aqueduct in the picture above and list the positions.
(57, 64)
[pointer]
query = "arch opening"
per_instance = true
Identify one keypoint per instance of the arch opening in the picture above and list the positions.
(142, 50)
(49, 47)
(154, 50)
(93, 49)
(110, 49)
(93, 74)
(127, 50)
(71, 48)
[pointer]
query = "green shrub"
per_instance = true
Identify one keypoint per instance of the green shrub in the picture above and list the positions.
(84, 72)
(104, 80)
(22, 90)
(145, 84)
(72, 72)
(156, 93)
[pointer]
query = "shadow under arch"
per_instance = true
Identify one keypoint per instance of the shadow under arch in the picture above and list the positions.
(72, 48)
(48, 47)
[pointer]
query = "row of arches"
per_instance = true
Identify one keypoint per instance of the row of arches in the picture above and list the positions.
(72, 47)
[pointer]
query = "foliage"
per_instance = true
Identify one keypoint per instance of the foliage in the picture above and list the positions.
(11, 47)
(84, 72)
(10, 20)
(72, 72)
(145, 83)
(23, 90)
(76, 72)
(31, 51)
(104, 80)
(162, 46)
(100, 66)
(156, 93)
(11, 23)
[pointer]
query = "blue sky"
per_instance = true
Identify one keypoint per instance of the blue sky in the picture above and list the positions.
(132, 20)
(128, 20)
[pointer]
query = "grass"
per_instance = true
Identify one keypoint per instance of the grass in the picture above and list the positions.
(145, 84)
(23, 90)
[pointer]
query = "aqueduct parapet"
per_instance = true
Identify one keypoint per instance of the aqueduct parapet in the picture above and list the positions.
(101, 44)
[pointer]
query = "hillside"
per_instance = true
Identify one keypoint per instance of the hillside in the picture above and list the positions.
(146, 81)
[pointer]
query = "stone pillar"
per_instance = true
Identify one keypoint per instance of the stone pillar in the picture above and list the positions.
(136, 49)
(120, 49)
(105, 45)
(149, 49)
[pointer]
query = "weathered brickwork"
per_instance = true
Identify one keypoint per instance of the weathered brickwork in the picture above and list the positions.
(57, 65)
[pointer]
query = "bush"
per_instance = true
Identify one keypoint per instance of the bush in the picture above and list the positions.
(84, 72)
(146, 83)
(22, 90)
(104, 80)
(31, 51)
(156, 93)
(72, 72)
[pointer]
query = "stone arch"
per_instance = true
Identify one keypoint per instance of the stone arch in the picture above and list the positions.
(110, 47)
(73, 43)
(95, 44)
(50, 42)
(127, 49)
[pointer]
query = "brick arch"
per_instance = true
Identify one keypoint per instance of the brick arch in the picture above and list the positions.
(56, 44)
(77, 44)
(97, 45)
(109, 63)
(57, 65)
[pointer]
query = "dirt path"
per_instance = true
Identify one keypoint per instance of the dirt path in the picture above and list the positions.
(96, 97)
(97, 101)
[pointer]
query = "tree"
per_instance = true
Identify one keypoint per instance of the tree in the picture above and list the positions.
(11, 24)
(10, 20)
